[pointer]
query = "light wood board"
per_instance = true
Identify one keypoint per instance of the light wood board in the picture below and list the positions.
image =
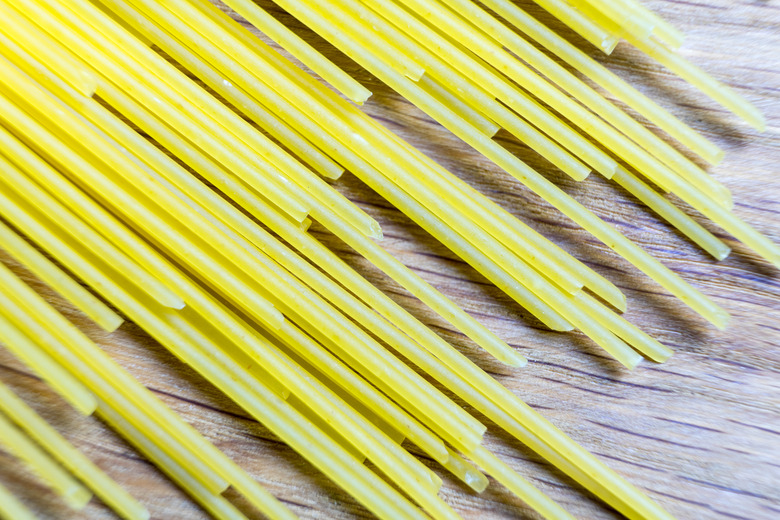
(700, 433)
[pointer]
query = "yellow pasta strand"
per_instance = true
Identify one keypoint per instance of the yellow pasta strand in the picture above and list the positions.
(579, 22)
(11, 508)
(621, 23)
(476, 332)
(670, 36)
(97, 181)
(672, 214)
(472, 327)
(96, 58)
(265, 243)
(710, 86)
(324, 322)
(518, 485)
(203, 462)
(446, 97)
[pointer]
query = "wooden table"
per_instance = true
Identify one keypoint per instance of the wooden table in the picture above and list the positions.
(700, 433)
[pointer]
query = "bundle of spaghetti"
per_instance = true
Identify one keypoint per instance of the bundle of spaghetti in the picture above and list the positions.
(193, 120)
(293, 347)
(250, 301)
(505, 267)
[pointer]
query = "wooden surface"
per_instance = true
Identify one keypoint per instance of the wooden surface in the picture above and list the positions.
(700, 433)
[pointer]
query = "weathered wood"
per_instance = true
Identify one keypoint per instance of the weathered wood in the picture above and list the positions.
(700, 434)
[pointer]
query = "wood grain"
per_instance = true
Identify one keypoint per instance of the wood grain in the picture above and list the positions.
(700, 433)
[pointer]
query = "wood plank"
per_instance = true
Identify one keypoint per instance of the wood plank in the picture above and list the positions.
(700, 433)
